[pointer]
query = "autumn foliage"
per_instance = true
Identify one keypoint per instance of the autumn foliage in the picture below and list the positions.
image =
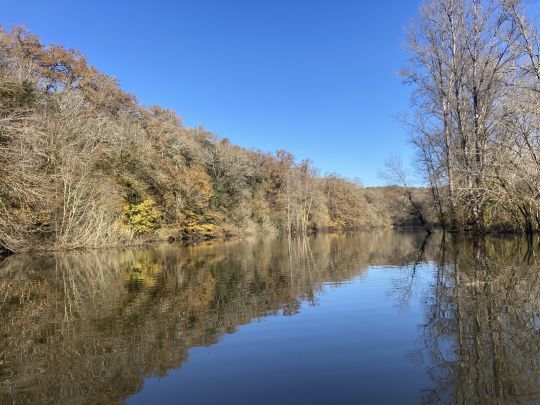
(83, 165)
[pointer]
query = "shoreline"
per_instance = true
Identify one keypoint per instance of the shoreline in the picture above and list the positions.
(194, 241)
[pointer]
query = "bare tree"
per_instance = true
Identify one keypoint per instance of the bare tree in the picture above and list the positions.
(396, 174)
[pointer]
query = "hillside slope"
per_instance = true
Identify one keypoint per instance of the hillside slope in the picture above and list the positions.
(82, 164)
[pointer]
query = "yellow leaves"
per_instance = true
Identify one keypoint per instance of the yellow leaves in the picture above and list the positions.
(199, 189)
(202, 230)
(337, 224)
(142, 218)
(143, 272)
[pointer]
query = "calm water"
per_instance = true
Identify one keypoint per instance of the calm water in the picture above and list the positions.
(381, 317)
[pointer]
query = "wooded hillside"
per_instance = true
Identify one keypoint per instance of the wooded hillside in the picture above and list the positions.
(82, 164)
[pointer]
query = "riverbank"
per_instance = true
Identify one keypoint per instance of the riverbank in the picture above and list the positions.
(83, 165)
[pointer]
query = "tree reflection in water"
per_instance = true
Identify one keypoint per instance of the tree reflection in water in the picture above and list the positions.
(481, 337)
(90, 327)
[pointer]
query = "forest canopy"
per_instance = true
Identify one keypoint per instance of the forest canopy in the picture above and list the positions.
(82, 164)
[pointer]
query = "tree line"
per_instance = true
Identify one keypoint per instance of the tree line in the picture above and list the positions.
(82, 164)
(475, 69)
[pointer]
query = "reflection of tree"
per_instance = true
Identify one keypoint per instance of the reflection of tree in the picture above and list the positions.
(481, 335)
(405, 285)
(88, 328)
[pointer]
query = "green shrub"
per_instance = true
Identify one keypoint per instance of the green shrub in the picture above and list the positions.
(142, 218)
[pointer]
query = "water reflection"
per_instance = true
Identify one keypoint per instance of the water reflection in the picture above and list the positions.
(90, 328)
(481, 332)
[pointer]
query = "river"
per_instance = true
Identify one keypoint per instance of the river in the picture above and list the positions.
(373, 317)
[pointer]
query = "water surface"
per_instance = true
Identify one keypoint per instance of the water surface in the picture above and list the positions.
(379, 317)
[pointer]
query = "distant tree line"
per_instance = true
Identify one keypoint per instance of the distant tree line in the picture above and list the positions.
(82, 164)
(475, 68)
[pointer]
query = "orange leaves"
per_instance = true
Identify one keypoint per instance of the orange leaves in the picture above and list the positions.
(61, 67)
(56, 69)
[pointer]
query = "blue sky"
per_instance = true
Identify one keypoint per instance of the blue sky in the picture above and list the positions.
(317, 78)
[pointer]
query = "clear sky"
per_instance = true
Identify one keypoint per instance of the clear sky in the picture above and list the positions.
(315, 77)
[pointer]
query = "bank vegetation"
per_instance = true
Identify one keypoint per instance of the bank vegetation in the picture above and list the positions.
(83, 164)
(475, 69)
